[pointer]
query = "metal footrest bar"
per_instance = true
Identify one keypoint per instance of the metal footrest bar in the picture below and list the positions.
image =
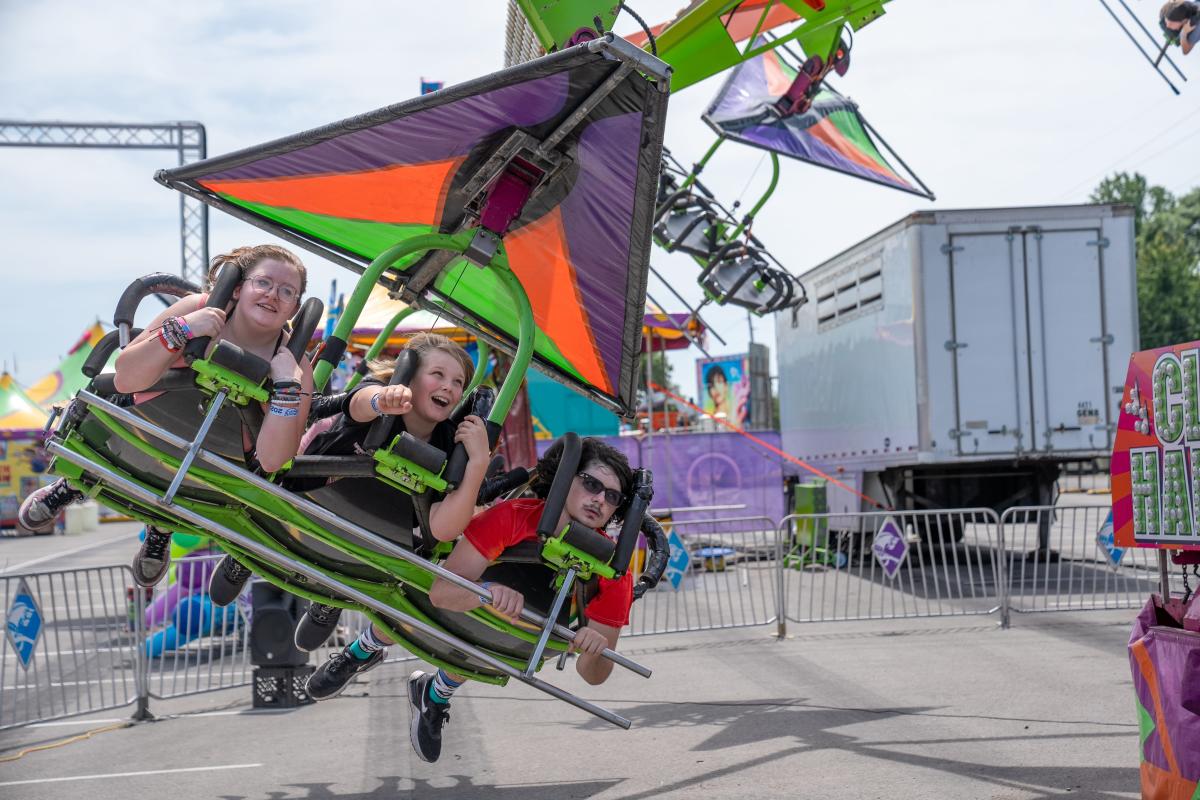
(328, 517)
(266, 554)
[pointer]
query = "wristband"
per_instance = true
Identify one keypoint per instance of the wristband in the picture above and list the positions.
(486, 585)
(375, 404)
(187, 332)
(285, 385)
(280, 411)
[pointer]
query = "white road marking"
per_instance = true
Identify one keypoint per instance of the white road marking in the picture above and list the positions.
(130, 774)
(76, 722)
(15, 567)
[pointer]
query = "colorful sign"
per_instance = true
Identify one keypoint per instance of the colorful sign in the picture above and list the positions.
(890, 547)
(22, 466)
(1106, 543)
(723, 386)
(677, 564)
(1156, 458)
(24, 624)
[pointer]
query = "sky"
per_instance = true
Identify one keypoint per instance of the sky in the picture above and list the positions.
(1025, 102)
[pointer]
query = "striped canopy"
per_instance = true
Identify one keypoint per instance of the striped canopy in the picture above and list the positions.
(580, 247)
(831, 134)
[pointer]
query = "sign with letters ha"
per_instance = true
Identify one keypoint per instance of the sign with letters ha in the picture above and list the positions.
(1156, 457)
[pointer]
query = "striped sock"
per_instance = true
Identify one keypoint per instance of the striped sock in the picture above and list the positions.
(442, 687)
(366, 645)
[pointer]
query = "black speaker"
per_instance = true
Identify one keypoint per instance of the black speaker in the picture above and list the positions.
(274, 614)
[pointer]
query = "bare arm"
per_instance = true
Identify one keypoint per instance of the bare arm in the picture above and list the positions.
(145, 360)
(1184, 34)
(468, 562)
(589, 642)
(279, 438)
(448, 518)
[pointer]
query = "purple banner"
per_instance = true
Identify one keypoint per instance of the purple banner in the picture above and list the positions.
(712, 475)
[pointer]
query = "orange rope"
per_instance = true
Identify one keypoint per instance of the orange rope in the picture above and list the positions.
(797, 461)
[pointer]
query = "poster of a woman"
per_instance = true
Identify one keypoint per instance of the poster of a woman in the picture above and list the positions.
(724, 389)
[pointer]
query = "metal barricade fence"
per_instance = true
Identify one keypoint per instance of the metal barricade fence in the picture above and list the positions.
(728, 578)
(1061, 558)
(102, 645)
(883, 565)
(190, 645)
(71, 645)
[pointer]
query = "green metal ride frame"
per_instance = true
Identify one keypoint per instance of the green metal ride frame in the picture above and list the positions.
(252, 545)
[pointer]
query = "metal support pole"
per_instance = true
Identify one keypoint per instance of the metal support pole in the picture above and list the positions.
(780, 592)
(1164, 576)
(564, 592)
(214, 408)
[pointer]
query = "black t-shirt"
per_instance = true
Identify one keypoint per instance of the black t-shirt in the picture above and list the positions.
(368, 501)
(346, 435)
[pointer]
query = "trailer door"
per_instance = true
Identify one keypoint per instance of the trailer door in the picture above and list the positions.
(989, 346)
(1069, 339)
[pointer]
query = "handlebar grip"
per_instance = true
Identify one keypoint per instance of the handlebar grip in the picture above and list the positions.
(228, 279)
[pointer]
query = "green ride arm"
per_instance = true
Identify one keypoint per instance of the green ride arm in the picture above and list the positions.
(484, 351)
(525, 340)
(454, 242)
(762, 201)
(381, 341)
(696, 170)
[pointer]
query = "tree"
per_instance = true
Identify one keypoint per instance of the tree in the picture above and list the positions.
(1168, 257)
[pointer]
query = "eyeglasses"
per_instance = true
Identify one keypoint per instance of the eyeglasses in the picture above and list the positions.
(264, 284)
(592, 485)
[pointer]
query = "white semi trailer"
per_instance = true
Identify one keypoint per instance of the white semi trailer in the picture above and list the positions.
(957, 359)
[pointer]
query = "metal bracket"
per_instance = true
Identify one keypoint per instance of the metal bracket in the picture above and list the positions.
(482, 248)
(1101, 242)
(952, 345)
(947, 249)
(1105, 339)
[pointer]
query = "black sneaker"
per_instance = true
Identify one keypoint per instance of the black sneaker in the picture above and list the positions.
(227, 581)
(316, 626)
(153, 558)
(428, 717)
(334, 675)
(39, 510)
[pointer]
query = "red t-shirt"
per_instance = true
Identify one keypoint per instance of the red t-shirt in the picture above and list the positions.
(496, 529)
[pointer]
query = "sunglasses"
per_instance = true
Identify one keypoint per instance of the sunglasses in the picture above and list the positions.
(592, 485)
(264, 285)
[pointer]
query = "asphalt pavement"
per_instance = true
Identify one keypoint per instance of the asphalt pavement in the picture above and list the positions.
(906, 708)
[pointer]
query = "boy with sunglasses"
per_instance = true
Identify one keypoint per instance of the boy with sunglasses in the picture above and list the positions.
(599, 495)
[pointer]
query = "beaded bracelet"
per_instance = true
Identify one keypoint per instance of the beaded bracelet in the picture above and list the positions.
(166, 341)
(187, 331)
(174, 330)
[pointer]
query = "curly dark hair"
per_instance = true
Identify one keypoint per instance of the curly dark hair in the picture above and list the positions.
(594, 450)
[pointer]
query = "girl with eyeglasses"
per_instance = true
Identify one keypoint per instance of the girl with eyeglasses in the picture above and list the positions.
(599, 496)
(268, 296)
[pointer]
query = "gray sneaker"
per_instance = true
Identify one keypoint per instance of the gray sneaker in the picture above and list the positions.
(153, 557)
(316, 626)
(428, 717)
(40, 509)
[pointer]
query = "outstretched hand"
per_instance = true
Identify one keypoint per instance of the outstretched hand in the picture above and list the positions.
(395, 399)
